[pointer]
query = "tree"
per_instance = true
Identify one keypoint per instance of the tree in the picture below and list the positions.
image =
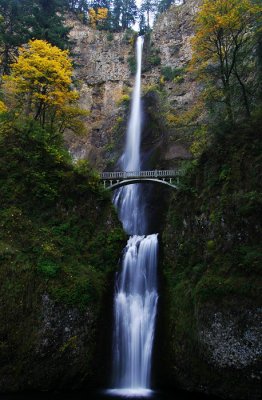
(222, 49)
(148, 7)
(124, 14)
(47, 21)
(163, 5)
(30, 19)
(40, 84)
(97, 16)
(13, 31)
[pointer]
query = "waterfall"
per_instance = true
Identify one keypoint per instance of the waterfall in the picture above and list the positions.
(135, 300)
(128, 200)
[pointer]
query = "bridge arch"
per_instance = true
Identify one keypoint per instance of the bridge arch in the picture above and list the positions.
(126, 182)
(116, 179)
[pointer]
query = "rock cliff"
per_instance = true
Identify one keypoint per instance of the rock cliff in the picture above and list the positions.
(171, 34)
(103, 74)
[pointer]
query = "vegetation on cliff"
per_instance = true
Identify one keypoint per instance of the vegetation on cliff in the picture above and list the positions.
(212, 264)
(60, 240)
(212, 253)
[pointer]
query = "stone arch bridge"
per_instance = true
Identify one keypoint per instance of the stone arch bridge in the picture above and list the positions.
(115, 180)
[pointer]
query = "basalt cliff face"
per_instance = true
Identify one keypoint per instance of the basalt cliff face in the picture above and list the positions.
(103, 69)
(102, 73)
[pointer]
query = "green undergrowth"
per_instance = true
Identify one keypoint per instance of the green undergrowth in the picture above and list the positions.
(212, 250)
(214, 218)
(58, 231)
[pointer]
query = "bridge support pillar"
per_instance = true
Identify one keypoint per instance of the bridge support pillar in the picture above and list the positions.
(104, 184)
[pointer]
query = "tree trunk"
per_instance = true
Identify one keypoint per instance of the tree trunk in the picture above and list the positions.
(229, 104)
(244, 93)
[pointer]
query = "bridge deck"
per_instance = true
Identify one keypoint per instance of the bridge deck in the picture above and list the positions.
(140, 174)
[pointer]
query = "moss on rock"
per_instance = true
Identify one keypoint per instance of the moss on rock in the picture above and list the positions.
(211, 267)
(60, 245)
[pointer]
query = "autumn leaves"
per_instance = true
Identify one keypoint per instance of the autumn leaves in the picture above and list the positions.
(40, 86)
(224, 53)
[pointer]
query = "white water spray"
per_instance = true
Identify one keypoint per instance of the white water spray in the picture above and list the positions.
(136, 297)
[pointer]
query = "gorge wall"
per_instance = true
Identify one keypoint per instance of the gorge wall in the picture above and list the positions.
(212, 272)
(103, 64)
(102, 74)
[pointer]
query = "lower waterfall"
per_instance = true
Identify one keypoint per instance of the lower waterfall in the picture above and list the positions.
(135, 310)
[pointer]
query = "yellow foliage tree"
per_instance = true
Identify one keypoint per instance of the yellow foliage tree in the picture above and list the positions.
(40, 83)
(3, 107)
(97, 15)
(222, 47)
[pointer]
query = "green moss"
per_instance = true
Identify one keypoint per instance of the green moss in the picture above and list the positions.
(211, 245)
(212, 251)
(48, 268)
(110, 36)
(59, 235)
(70, 344)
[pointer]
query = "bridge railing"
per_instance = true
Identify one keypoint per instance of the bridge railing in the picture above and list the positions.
(141, 174)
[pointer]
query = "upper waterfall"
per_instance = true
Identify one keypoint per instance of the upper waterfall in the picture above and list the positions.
(131, 159)
(128, 200)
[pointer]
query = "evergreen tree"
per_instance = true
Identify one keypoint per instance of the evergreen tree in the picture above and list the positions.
(99, 4)
(13, 30)
(148, 8)
(47, 22)
(30, 19)
(164, 5)
(124, 14)
(142, 23)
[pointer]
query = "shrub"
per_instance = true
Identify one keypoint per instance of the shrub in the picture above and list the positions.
(132, 64)
(48, 268)
(171, 74)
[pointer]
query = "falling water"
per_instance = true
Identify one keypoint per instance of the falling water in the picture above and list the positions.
(136, 295)
(128, 200)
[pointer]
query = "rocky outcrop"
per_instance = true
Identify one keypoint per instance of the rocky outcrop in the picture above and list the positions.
(221, 354)
(171, 39)
(59, 350)
(172, 34)
(232, 338)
